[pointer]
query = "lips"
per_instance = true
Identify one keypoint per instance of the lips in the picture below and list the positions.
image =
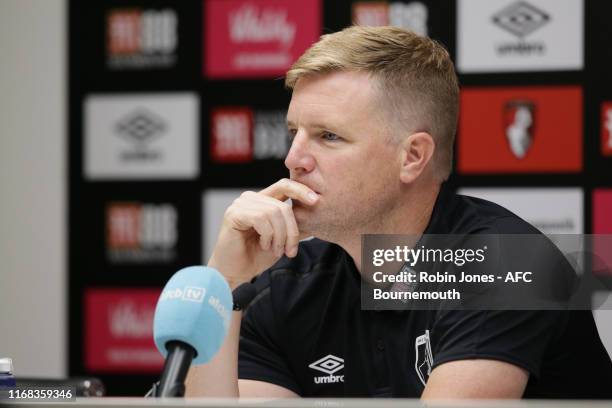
(308, 185)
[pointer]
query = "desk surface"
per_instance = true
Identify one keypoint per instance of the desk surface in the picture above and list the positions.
(305, 403)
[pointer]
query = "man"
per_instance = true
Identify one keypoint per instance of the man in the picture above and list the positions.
(373, 116)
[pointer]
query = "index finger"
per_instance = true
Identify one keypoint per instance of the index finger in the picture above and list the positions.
(285, 188)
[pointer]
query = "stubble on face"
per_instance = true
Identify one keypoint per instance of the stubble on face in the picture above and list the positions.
(358, 177)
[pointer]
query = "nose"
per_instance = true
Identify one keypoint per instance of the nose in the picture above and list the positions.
(300, 159)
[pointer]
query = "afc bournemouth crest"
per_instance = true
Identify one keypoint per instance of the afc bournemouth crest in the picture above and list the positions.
(424, 357)
(519, 123)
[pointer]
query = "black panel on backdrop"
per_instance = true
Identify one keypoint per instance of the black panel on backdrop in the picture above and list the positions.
(598, 91)
(138, 236)
(142, 40)
(263, 106)
(131, 230)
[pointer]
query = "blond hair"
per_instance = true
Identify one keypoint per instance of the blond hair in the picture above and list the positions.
(414, 75)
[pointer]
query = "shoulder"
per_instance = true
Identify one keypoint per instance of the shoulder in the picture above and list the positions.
(472, 215)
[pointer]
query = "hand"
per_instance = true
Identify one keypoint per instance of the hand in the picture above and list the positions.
(257, 229)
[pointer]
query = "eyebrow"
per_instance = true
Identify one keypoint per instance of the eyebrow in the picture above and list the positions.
(290, 124)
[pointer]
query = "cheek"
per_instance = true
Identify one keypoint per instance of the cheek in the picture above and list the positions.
(378, 161)
(360, 172)
(379, 178)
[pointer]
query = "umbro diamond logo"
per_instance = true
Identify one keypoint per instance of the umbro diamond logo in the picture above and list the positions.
(328, 364)
(141, 126)
(521, 18)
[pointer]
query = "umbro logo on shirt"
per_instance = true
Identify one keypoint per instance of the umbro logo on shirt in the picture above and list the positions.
(330, 365)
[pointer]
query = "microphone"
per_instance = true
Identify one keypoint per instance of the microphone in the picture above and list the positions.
(192, 318)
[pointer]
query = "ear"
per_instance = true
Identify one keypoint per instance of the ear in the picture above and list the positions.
(417, 151)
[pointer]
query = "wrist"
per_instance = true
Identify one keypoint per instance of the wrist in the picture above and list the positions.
(232, 281)
(243, 295)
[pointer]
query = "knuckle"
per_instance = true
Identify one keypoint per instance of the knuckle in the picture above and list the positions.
(260, 218)
(286, 208)
(277, 211)
(229, 211)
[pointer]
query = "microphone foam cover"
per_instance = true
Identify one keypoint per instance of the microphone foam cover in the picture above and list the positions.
(195, 307)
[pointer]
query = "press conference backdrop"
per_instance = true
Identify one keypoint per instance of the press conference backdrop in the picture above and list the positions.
(177, 107)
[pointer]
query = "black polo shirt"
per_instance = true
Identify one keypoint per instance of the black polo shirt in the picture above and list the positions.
(305, 329)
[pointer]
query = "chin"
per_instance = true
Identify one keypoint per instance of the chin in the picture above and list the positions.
(306, 223)
(303, 223)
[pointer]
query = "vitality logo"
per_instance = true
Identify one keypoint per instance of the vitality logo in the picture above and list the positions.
(330, 365)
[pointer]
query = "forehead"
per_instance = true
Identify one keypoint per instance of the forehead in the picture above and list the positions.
(340, 98)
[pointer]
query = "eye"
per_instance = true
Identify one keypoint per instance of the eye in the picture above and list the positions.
(291, 134)
(330, 136)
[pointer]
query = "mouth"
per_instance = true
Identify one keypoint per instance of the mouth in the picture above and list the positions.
(317, 192)
(301, 204)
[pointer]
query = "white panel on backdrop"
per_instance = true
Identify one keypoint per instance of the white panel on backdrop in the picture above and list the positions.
(551, 210)
(214, 203)
(141, 136)
(511, 35)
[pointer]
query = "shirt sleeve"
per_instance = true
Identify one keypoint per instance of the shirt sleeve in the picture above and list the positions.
(516, 337)
(260, 354)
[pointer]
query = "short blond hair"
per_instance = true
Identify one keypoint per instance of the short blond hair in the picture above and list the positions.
(415, 77)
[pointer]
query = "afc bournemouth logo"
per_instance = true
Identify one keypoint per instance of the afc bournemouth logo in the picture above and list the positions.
(329, 365)
(519, 121)
(424, 357)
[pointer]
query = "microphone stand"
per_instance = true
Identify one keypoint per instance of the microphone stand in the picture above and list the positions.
(172, 381)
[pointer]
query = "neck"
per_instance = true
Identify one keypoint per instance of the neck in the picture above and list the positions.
(409, 218)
